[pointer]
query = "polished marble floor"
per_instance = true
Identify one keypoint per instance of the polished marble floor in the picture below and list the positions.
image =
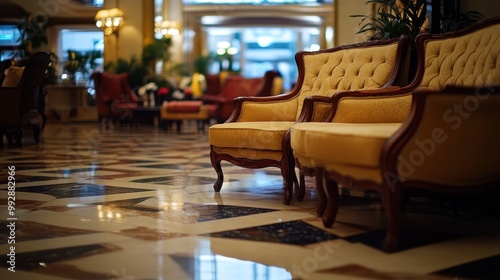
(137, 203)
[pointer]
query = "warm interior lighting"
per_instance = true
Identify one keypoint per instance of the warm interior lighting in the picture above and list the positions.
(167, 28)
(109, 20)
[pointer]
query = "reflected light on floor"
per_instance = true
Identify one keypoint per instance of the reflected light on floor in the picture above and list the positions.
(220, 267)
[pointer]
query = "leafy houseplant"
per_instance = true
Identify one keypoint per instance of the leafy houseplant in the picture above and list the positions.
(463, 20)
(32, 29)
(394, 18)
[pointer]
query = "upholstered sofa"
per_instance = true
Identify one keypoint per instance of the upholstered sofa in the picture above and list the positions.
(257, 133)
(438, 134)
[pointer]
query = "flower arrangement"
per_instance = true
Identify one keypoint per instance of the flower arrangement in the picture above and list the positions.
(147, 93)
(147, 88)
(163, 94)
(152, 94)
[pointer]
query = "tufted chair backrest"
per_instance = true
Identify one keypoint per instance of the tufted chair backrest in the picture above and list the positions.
(470, 58)
(362, 66)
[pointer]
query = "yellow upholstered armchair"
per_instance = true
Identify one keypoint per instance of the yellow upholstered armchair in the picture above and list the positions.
(439, 134)
(256, 135)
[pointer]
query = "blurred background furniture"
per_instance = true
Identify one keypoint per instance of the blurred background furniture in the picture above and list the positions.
(437, 134)
(257, 133)
(69, 103)
(22, 98)
(115, 100)
(220, 105)
(180, 111)
(4, 66)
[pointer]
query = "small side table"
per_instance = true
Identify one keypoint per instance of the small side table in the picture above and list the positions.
(147, 115)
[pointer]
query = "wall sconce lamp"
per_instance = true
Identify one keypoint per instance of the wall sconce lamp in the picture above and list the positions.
(167, 28)
(224, 49)
(109, 20)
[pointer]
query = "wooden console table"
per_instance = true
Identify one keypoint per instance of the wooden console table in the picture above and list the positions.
(68, 103)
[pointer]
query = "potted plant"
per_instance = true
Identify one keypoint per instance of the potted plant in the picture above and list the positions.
(463, 20)
(394, 18)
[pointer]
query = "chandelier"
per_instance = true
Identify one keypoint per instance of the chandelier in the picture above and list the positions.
(167, 28)
(109, 20)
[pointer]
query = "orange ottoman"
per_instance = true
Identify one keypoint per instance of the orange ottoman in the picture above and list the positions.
(184, 110)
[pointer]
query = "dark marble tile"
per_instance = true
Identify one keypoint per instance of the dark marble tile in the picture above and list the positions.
(20, 166)
(473, 207)
(408, 239)
(485, 269)
(191, 213)
(68, 271)
(217, 212)
(165, 166)
(177, 180)
(78, 190)
(27, 179)
(68, 171)
(26, 230)
(204, 165)
(134, 161)
(41, 259)
(30, 159)
(149, 234)
(125, 202)
(294, 232)
(23, 204)
(266, 187)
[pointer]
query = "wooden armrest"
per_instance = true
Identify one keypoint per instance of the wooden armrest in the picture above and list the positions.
(315, 108)
(391, 104)
(264, 108)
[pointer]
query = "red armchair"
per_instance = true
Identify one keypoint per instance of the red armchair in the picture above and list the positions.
(221, 106)
(213, 86)
(115, 100)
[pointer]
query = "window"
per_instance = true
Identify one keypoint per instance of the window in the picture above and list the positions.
(86, 42)
(256, 50)
(9, 35)
(9, 39)
(254, 2)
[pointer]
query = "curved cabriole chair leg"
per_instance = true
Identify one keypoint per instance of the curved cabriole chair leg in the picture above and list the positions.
(391, 205)
(288, 170)
(18, 137)
(321, 192)
(288, 182)
(36, 133)
(332, 206)
(218, 169)
(301, 192)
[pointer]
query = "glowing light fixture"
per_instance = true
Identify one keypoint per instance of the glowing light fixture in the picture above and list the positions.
(167, 28)
(109, 20)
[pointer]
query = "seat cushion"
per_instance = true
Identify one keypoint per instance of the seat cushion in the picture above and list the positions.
(183, 106)
(249, 135)
(13, 77)
(322, 144)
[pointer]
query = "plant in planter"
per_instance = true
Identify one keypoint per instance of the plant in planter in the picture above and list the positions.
(394, 18)
(463, 20)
